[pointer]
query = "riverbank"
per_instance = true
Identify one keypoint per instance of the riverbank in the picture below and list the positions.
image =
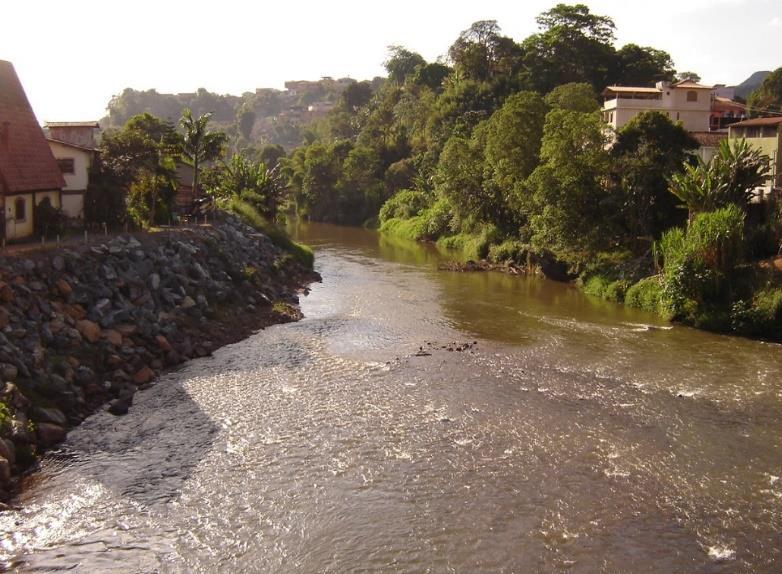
(83, 327)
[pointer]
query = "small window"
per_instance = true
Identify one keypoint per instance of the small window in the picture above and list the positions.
(20, 209)
(692, 96)
(753, 132)
(66, 165)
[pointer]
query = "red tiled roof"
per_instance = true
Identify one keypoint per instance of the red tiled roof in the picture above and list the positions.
(70, 144)
(758, 122)
(26, 162)
(709, 139)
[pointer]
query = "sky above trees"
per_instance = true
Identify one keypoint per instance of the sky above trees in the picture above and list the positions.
(72, 57)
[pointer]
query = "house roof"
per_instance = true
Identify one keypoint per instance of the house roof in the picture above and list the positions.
(709, 139)
(71, 124)
(26, 162)
(689, 84)
(69, 144)
(758, 122)
(631, 89)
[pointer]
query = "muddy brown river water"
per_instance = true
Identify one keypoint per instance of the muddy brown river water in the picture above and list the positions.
(574, 436)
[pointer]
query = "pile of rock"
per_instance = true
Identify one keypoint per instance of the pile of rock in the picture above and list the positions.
(82, 327)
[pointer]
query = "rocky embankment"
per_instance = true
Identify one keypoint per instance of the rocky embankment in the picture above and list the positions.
(87, 326)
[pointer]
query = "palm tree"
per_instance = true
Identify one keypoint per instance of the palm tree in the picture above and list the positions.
(199, 144)
(729, 178)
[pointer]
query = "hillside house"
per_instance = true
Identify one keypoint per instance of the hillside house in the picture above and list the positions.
(764, 134)
(687, 102)
(73, 146)
(28, 171)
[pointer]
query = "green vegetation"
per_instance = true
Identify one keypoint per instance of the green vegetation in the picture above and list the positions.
(137, 162)
(647, 295)
(5, 416)
(768, 97)
(501, 153)
(247, 213)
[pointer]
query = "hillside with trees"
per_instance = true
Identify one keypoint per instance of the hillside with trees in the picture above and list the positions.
(500, 152)
(251, 121)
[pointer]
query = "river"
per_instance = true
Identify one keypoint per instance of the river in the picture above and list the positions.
(425, 421)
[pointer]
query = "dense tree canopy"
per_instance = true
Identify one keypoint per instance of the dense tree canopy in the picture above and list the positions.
(768, 97)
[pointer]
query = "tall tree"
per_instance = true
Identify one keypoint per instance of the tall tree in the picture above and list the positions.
(577, 97)
(199, 145)
(572, 214)
(481, 53)
(138, 158)
(402, 63)
(648, 150)
(574, 46)
(642, 66)
(513, 138)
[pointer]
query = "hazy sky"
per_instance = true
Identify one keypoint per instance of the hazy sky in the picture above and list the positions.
(73, 56)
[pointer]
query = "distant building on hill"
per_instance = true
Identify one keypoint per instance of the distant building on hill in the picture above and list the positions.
(29, 173)
(687, 102)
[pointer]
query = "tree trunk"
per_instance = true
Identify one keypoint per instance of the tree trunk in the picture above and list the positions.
(195, 177)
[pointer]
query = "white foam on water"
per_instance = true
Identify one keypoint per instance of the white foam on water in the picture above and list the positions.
(721, 553)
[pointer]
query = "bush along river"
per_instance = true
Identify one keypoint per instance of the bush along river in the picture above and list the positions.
(419, 420)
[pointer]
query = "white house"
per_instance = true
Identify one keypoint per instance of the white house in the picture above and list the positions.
(28, 171)
(73, 146)
(687, 102)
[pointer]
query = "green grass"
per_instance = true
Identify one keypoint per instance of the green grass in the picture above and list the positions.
(413, 229)
(646, 295)
(605, 288)
(300, 252)
(509, 250)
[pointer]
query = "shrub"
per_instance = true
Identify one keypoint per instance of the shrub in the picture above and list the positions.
(761, 316)
(698, 262)
(49, 220)
(104, 203)
(508, 250)
(5, 417)
(471, 245)
(646, 294)
(404, 205)
(605, 288)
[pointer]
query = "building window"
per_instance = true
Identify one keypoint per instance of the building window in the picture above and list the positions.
(692, 96)
(753, 132)
(66, 165)
(20, 209)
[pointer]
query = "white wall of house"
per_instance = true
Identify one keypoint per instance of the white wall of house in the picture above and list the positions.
(75, 183)
(73, 205)
(82, 160)
(693, 115)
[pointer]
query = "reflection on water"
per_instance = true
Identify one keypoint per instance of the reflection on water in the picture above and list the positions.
(576, 436)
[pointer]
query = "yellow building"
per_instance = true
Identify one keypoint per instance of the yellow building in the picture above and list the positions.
(29, 173)
(764, 134)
